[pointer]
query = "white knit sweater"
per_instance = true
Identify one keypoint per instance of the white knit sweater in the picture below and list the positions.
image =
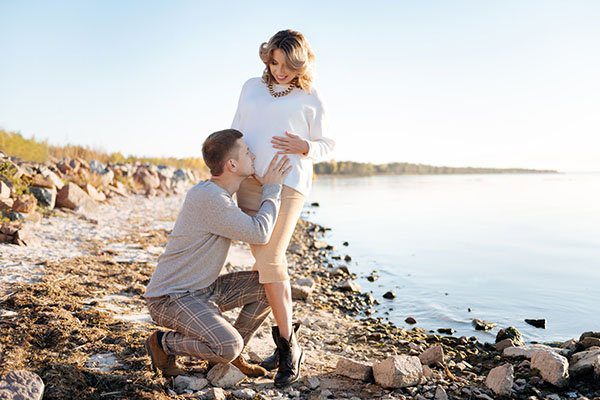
(261, 116)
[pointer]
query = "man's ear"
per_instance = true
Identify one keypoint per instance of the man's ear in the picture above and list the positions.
(231, 165)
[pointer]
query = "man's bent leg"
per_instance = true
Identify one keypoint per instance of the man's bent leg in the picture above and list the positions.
(242, 289)
(199, 328)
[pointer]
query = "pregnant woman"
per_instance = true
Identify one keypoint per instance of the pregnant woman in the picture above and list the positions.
(282, 113)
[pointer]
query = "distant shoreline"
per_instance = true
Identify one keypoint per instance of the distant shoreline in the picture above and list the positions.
(351, 168)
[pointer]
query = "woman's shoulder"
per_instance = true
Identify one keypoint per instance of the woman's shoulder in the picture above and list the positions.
(253, 82)
(314, 97)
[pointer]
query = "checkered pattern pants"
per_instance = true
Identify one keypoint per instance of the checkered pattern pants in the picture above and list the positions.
(198, 327)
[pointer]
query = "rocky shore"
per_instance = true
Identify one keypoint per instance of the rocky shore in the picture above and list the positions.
(73, 320)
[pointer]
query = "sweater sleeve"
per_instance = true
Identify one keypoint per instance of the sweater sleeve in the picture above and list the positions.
(319, 146)
(226, 219)
(237, 118)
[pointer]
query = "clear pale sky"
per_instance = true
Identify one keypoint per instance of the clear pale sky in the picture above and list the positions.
(512, 83)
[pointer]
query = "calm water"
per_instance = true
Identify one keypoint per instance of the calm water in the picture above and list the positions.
(508, 247)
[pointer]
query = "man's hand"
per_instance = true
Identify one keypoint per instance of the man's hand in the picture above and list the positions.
(290, 144)
(276, 172)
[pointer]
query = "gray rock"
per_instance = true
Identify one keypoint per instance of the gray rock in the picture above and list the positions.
(189, 382)
(432, 355)
(500, 379)
(215, 393)
(503, 344)
(481, 325)
(553, 367)
(302, 288)
(526, 351)
(440, 393)
(246, 394)
(510, 333)
(398, 371)
(584, 362)
(588, 342)
(349, 286)
(4, 190)
(73, 197)
(45, 197)
(21, 385)
(225, 375)
(354, 369)
(313, 382)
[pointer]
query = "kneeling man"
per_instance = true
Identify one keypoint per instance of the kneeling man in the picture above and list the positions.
(186, 293)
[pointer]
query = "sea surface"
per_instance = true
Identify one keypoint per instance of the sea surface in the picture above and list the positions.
(501, 247)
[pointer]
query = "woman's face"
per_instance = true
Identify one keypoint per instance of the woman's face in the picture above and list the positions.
(279, 70)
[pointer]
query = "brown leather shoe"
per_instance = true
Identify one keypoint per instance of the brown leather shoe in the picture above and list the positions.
(161, 360)
(251, 370)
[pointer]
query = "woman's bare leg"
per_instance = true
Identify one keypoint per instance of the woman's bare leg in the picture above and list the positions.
(279, 295)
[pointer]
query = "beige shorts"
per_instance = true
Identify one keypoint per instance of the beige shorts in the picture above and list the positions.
(271, 262)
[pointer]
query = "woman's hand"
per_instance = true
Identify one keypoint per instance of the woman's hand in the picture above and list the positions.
(290, 144)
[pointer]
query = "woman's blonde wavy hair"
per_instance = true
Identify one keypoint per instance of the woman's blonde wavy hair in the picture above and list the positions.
(298, 56)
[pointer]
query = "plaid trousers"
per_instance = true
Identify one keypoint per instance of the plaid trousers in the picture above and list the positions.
(198, 327)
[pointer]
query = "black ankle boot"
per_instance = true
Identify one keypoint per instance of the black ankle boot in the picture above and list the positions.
(290, 359)
(272, 362)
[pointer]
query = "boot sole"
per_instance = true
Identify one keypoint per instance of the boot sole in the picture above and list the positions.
(295, 379)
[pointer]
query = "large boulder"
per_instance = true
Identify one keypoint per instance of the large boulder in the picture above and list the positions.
(225, 375)
(354, 369)
(500, 379)
(73, 197)
(398, 371)
(553, 367)
(21, 385)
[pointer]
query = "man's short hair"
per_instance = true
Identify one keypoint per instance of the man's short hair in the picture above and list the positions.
(218, 147)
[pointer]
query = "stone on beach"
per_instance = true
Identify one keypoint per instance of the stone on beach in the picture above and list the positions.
(302, 288)
(354, 369)
(225, 375)
(349, 286)
(389, 295)
(21, 385)
(526, 351)
(189, 382)
(585, 361)
(398, 371)
(4, 190)
(590, 342)
(24, 203)
(500, 379)
(45, 197)
(538, 323)
(481, 325)
(553, 367)
(510, 333)
(440, 393)
(94, 193)
(503, 344)
(72, 197)
(433, 355)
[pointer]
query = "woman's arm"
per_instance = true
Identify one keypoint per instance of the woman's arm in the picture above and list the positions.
(317, 147)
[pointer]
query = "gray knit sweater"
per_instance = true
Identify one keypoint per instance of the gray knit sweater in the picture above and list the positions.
(207, 223)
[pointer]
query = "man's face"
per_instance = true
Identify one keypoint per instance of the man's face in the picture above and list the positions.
(245, 159)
